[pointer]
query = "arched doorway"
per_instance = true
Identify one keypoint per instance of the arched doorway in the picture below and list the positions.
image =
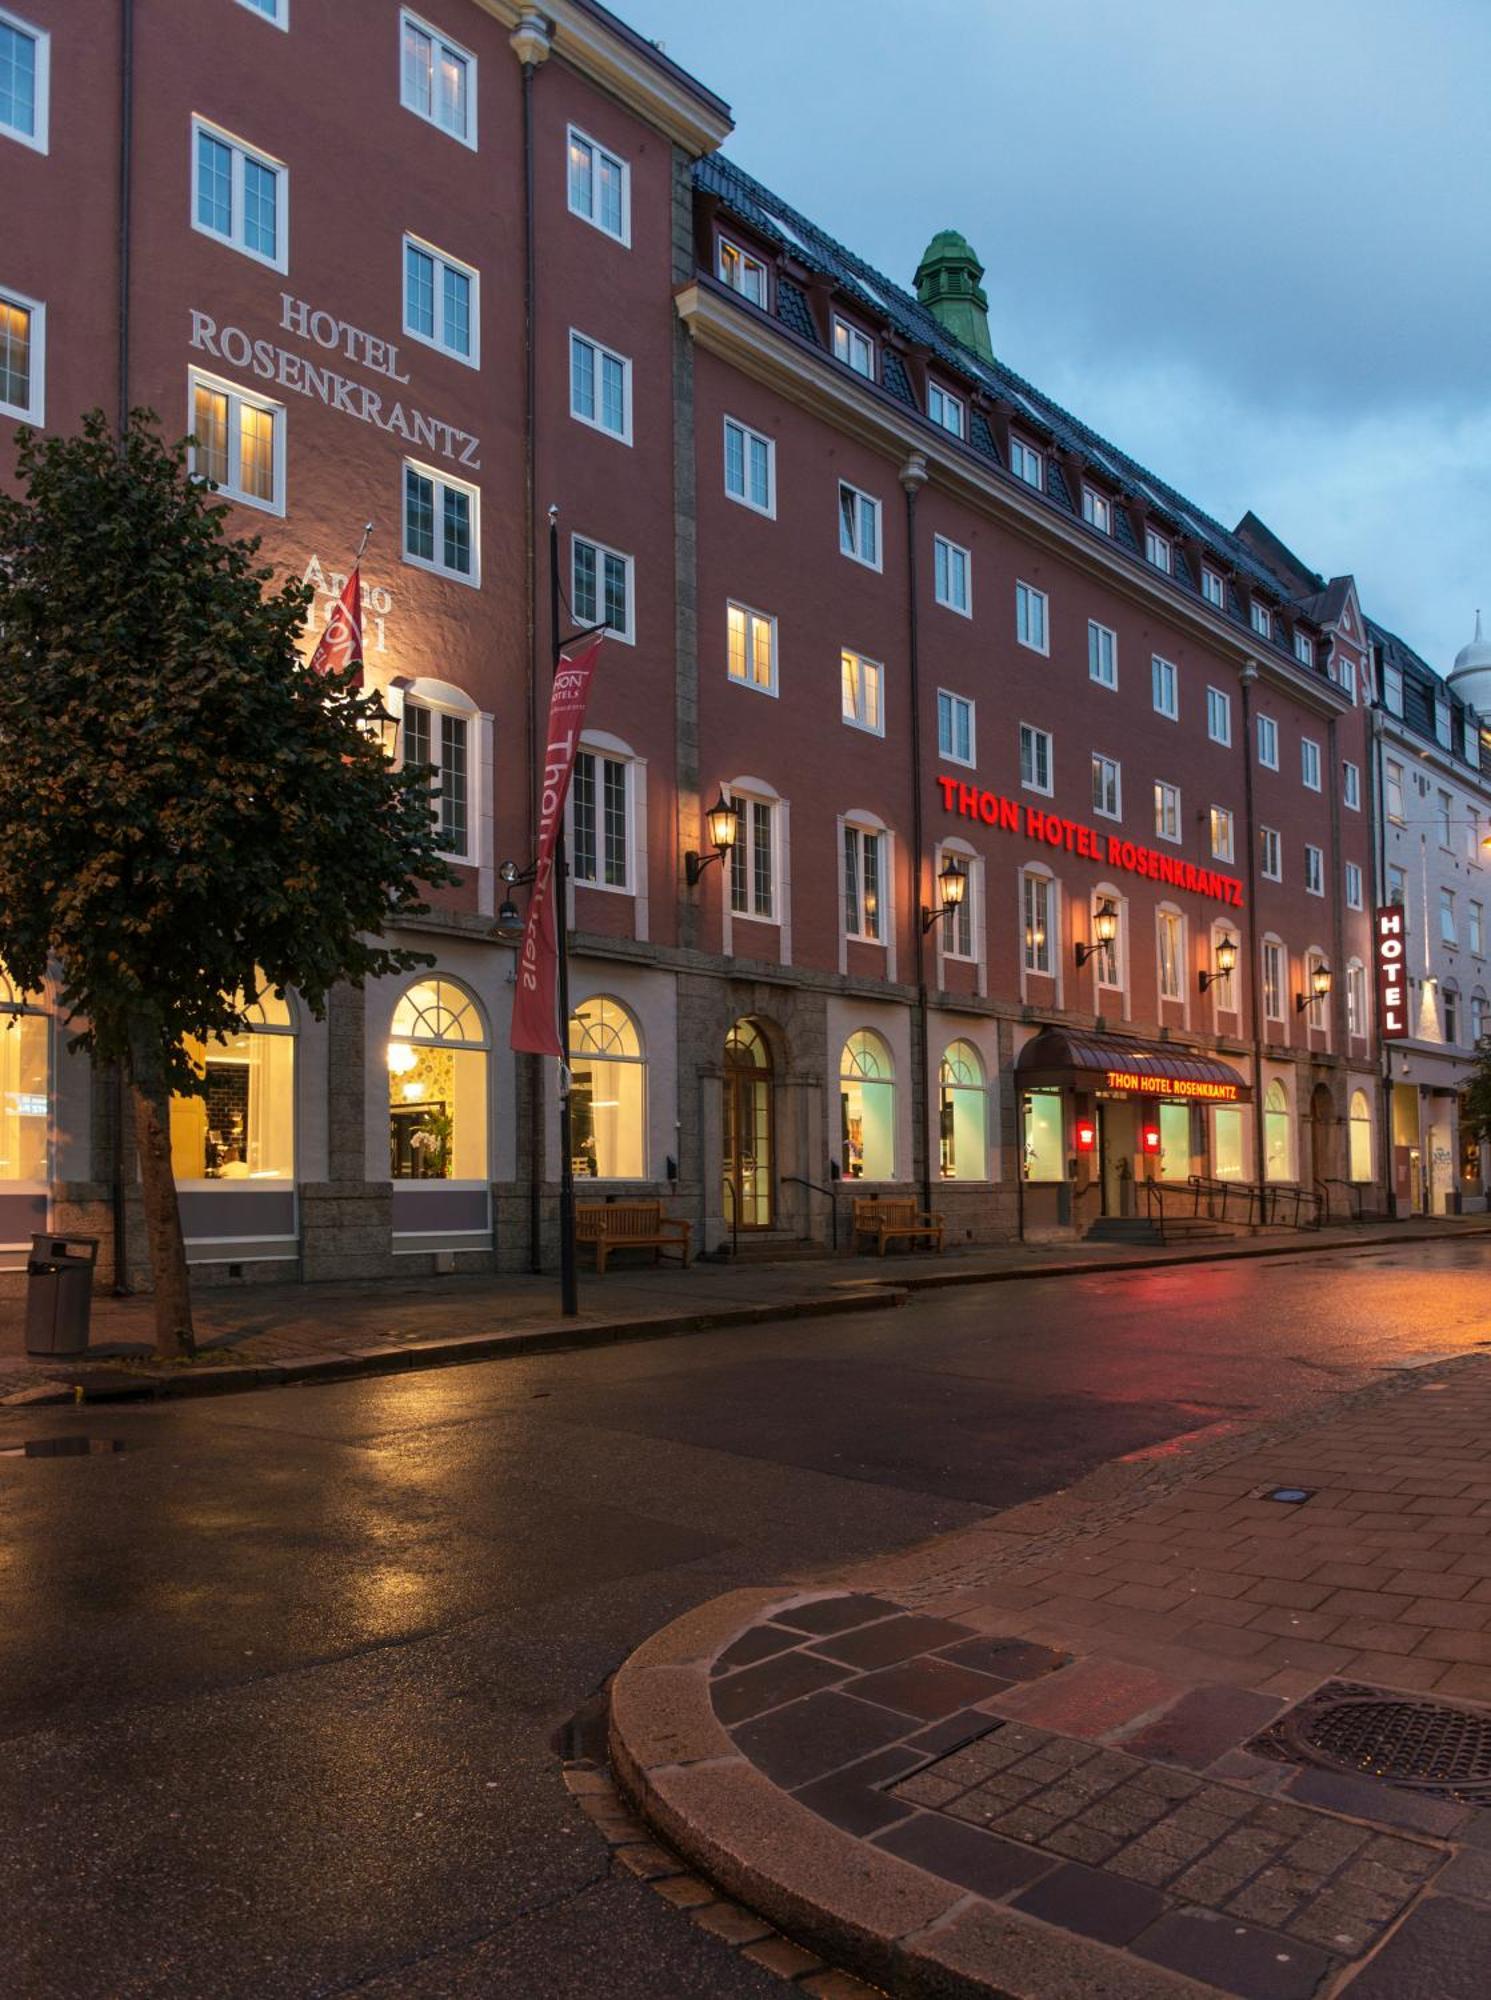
(749, 1140)
(1323, 1166)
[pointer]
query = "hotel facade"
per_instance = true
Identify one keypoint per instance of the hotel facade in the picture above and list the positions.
(1056, 812)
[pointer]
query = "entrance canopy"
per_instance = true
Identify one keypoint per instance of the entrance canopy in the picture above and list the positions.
(1124, 1067)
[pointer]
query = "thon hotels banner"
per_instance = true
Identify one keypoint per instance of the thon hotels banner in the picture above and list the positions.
(537, 1028)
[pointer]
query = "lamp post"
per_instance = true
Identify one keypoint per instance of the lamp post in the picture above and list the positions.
(1226, 960)
(1104, 931)
(1320, 986)
(952, 884)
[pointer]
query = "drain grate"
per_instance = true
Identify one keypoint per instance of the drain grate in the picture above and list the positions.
(1426, 1746)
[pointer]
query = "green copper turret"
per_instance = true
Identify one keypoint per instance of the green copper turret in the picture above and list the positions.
(947, 283)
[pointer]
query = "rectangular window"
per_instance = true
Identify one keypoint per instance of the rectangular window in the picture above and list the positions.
(863, 684)
(1356, 1006)
(1448, 933)
(1102, 654)
(1262, 620)
(1107, 786)
(1393, 789)
(1444, 814)
(751, 648)
(1157, 550)
(435, 741)
(957, 925)
(954, 728)
(601, 588)
(753, 861)
(25, 60)
(1271, 854)
(1040, 945)
(1477, 929)
(22, 357)
(1309, 764)
(1443, 726)
(750, 467)
(437, 79)
(240, 442)
(1395, 886)
(1213, 589)
(1223, 846)
(441, 524)
(1030, 618)
(277, 11)
(1218, 715)
(859, 525)
(1304, 649)
(742, 272)
(1171, 938)
(1035, 758)
(1097, 511)
(440, 301)
(1273, 981)
(863, 917)
(1026, 464)
(1165, 684)
(945, 409)
(1314, 870)
(600, 387)
(601, 820)
(854, 347)
(1166, 810)
(1353, 886)
(599, 186)
(1351, 786)
(951, 574)
(239, 196)
(1268, 743)
(1392, 689)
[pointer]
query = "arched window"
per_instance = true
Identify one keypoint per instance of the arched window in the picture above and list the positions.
(608, 1094)
(1477, 1016)
(867, 1108)
(1359, 1131)
(242, 1126)
(964, 1127)
(1278, 1134)
(24, 1084)
(437, 1085)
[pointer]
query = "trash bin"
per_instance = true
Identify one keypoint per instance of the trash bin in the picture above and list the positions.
(59, 1293)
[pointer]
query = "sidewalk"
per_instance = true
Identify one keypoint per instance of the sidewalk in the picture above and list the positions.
(260, 1336)
(1160, 1736)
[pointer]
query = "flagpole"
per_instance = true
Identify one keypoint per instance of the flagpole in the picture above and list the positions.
(569, 1295)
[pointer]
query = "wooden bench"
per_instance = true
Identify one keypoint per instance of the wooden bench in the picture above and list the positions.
(631, 1225)
(885, 1219)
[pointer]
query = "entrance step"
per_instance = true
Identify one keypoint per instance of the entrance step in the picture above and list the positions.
(770, 1246)
(1123, 1229)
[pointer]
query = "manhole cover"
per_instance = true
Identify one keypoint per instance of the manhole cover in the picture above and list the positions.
(62, 1447)
(1427, 1746)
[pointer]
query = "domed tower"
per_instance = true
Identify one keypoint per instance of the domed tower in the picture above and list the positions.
(1470, 677)
(947, 283)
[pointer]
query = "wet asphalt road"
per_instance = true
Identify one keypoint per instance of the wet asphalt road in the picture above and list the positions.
(278, 1682)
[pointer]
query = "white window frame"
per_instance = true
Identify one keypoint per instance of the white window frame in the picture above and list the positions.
(1304, 649)
(961, 926)
(1477, 937)
(1167, 809)
(1268, 743)
(1309, 762)
(605, 753)
(1048, 947)
(1026, 597)
(850, 341)
(628, 636)
(242, 151)
(955, 702)
(1272, 848)
(1351, 785)
(1222, 821)
(1392, 688)
(947, 556)
(871, 670)
(574, 134)
(436, 703)
(1314, 869)
(1353, 886)
(1444, 724)
(1096, 633)
(277, 12)
(237, 398)
(443, 259)
(746, 804)
(1219, 706)
(951, 404)
(1272, 951)
(1392, 786)
(38, 141)
(1164, 673)
(1449, 921)
(1104, 769)
(441, 481)
(863, 832)
(1036, 736)
(35, 410)
(1213, 588)
(748, 437)
(1356, 999)
(1025, 459)
(864, 504)
(1097, 510)
(1261, 618)
(1157, 551)
(408, 18)
(600, 354)
(725, 249)
(752, 618)
(1170, 921)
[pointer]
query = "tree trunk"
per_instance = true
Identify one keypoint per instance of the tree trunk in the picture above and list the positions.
(174, 1337)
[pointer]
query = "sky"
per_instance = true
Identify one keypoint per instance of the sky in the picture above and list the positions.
(1246, 240)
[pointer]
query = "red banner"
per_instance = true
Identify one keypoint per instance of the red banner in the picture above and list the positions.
(536, 1025)
(340, 644)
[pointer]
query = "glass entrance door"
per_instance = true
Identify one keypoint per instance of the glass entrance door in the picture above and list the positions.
(749, 1167)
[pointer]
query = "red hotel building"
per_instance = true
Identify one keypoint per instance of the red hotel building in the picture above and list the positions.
(442, 267)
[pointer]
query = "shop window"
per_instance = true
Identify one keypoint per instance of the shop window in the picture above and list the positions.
(1044, 1151)
(24, 1085)
(1175, 1141)
(1227, 1160)
(437, 1085)
(608, 1095)
(867, 1109)
(242, 1125)
(963, 1115)
(1278, 1134)
(1359, 1136)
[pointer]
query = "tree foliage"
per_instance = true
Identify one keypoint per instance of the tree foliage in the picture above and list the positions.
(1477, 1104)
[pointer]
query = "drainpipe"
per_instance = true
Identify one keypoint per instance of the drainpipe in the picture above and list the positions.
(913, 477)
(118, 1163)
(1255, 973)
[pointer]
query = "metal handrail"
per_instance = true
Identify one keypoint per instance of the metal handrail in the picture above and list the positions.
(1265, 1203)
(734, 1222)
(798, 1180)
(1154, 1203)
(1357, 1191)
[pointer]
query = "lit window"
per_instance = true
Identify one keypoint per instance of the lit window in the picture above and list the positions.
(753, 859)
(956, 934)
(1268, 743)
(440, 301)
(240, 442)
(867, 1109)
(1353, 886)
(437, 79)
(437, 1085)
(1222, 986)
(1035, 758)
(1304, 649)
(601, 821)
(22, 357)
(1037, 908)
(1356, 1000)
(25, 1086)
(742, 272)
(239, 196)
(1314, 870)
(599, 186)
(1102, 655)
(863, 685)
(854, 347)
(277, 11)
(951, 570)
(1218, 715)
(1271, 854)
(1273, 980)
(1359, 1122)
(955, 743)
(1097, 511)
(1166, 811)
(242, 1126)
(1166, 687)
(859, 525)
(945, 409)
(608, 1092)
(1309, 764)
(438, 742)
(601, 588)
(1030, 618)
(1170, 937)
(1223, 847)
(1107, 786)
(1026, 463)
(864, 916)
(25, 60)
(1157, 550)
(750, 467)
(1262, 620)
(1278, 1134)
(1351, 786)
(1393, 786)
(1448, 930)
(963, 1115)
(751, 649)
(1213, 589)
(1043, 1153)
(1107, 970)
(600, 387)
(442, 524)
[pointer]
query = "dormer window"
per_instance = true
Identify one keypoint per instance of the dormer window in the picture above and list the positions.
(1443, 727)
(1097, 511)
(1304, 649)
(1157, 551)
(854, 347)
(1263, 621)
(1392, 688)
(946, 410)
(1025, 463)
(742, 272)
(1213, 589)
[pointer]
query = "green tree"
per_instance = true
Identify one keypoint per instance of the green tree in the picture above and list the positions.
(1477, 1104)
(189, 815)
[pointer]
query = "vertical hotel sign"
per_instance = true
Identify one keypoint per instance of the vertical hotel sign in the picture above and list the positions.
(1390, 943)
